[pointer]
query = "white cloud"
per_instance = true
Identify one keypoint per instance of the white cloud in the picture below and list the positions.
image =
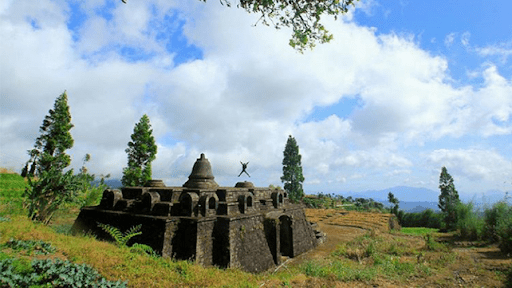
(502, 50)
(464, 39)
(473, 164)
(399, 172)
(242, 100)
(448, 40)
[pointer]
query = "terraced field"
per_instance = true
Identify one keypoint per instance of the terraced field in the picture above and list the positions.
(342, 218)
(341, 226)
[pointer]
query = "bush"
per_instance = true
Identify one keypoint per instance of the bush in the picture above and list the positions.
(427, 218)
(39, 247)
(50, 273)
(469, 224)
(508, 282)
(498, 225)
(504, 230)
(491, 218)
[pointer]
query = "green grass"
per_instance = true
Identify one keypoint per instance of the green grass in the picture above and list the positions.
(119, 263)
(12, 187)
(372, 256)
(418, 231)
(375, 257)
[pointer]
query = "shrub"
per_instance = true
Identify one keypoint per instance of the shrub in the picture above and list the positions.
(491, 219)
(50, 273)
(498, 225)
(314, 269)
(427, 218)
(37, 246)
(504, 231)
(508, 282)
(432, 245)
(469, 224)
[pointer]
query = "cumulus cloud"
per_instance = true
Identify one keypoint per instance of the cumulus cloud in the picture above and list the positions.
(241, 99)
(477, 166)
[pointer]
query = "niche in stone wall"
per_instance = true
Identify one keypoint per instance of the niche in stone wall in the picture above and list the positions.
(249, 201)
(187, 203)
(185, 240)
(285, 236)
(212, 204)
(242, 204)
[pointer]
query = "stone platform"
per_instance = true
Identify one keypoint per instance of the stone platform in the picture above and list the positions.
(243, 227)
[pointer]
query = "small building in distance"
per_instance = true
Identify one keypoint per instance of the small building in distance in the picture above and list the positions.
(244, 227)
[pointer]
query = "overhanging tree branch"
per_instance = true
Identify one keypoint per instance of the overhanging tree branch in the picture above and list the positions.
(303, 16)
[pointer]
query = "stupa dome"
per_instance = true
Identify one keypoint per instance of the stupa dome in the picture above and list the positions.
(201, 176)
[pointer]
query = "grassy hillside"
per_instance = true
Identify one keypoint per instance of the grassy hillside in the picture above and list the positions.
(360, 250)
(12, 186)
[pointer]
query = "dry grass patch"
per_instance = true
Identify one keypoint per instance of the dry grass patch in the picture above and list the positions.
(339, 217)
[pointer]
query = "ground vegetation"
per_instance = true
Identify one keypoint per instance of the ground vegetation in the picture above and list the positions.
(360, 250)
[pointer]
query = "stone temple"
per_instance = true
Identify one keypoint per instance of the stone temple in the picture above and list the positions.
(244, 227)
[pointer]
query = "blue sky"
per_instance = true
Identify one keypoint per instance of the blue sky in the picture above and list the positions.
(403, 89)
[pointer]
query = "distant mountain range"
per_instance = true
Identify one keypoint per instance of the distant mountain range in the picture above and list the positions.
(403, 193)
(413, 199)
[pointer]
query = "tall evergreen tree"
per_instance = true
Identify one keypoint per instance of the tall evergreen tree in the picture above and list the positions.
(141, 152)
(393, 200)
(448, 199)
(48, 160)
(292, 170)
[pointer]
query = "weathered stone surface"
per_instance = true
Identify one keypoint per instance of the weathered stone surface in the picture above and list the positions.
(244, 226)
(155, 183)
(245, 184)
(201, 176)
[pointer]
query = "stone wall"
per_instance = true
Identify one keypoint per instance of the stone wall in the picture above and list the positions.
(249, 248)
(304, 238)
(240, 227)
(153, 228)
(204, 247)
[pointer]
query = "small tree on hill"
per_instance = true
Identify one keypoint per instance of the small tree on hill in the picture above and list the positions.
(89, 190)
(448, 199)
(292, 170)
(393, 200)
(48, 159)
(141, 152)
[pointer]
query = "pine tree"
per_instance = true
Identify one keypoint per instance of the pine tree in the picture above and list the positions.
(292, 170)
(141, 152)
(448, 199)
(48, 160)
